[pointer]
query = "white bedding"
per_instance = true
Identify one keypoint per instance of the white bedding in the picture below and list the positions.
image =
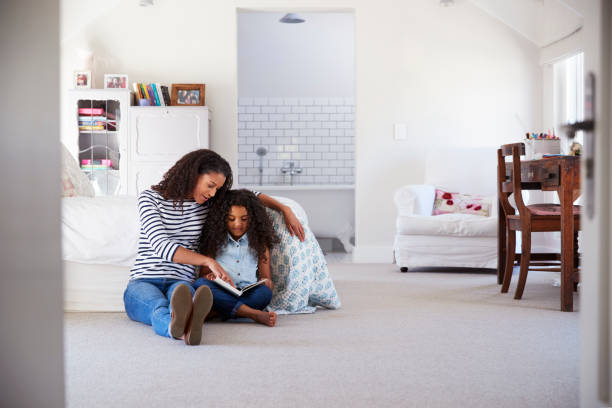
(100, 230)
(100, 242)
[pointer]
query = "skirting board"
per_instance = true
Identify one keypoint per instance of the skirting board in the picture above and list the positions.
(373, 254)
(94, 288)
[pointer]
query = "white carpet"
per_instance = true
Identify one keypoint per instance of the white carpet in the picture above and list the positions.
(414, 339)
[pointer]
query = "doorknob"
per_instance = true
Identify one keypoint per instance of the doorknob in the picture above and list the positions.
(588, 126)
(572, 128)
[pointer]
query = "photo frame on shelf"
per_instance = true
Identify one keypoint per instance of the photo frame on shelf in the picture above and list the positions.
(187, 95)
(82, 79)
(115, 81)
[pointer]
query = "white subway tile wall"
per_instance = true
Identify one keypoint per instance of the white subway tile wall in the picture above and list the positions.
(315, 134)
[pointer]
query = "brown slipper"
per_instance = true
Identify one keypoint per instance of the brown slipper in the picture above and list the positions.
(180, 310)
(202, 303)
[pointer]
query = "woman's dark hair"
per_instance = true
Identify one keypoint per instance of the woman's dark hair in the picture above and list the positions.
(178, 182)
(260, 230)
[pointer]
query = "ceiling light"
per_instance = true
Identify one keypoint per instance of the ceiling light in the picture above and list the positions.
(446, 3)
(291, 18)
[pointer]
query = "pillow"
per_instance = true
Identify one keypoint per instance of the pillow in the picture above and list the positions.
(299, 270)
(446, 203)
(74, 181)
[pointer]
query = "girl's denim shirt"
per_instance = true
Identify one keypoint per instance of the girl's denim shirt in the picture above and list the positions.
(239, 261)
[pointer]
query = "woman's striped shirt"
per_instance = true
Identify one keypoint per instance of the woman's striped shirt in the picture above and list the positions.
(163, 228)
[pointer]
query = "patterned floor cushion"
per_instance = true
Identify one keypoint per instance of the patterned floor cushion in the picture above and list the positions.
(299, 270)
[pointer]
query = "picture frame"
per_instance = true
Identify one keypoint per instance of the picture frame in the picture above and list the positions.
(187, 95)
(82, 79)
(115, 81)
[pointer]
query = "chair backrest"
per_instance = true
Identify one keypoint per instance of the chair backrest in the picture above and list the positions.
(509, 182)
(462, 170)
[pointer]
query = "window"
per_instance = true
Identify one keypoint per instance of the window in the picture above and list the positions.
(568, 93)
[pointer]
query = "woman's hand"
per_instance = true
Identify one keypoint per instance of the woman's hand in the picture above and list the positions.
(269, 284)
(216, 271)
(293, 224)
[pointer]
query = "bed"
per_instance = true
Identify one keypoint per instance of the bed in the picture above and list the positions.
(99, 245)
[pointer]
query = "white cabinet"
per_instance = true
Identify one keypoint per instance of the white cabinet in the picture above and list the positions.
(158, 137)
(98, 136)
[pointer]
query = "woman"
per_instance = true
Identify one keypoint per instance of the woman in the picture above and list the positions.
(160, 292)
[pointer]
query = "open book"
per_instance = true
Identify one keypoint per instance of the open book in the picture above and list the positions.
(235, 291)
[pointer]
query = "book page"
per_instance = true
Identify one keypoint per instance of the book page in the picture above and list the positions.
(252, 285)
(227, 286)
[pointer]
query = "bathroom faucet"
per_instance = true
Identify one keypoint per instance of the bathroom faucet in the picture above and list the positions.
(292, 170)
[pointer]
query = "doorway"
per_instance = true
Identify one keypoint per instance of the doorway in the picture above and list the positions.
(296, 113)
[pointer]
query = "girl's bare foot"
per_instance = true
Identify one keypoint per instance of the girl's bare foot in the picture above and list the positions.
(267, 318)
(260, 316)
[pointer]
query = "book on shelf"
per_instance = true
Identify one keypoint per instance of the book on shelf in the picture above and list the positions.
(158, 93)
(91, 111)
(89, 127)
(155, 96)
(95, 167)
(92, 123)
(136, 89)
(236, 291)
(145, 94)
(152, 94)
(92, 118)
(165, 94)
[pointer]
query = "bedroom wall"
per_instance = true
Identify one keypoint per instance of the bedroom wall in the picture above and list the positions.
(454, 75)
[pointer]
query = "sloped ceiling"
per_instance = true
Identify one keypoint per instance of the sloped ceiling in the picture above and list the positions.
(543, 22)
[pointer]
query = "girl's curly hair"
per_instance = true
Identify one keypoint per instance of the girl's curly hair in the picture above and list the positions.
(259, 229)
(178, 182)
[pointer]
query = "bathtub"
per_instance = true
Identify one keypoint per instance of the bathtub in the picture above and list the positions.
(330, 208)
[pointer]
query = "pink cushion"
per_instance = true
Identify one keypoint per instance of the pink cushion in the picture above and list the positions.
(549, 209)
(447, 203)
(67, 188)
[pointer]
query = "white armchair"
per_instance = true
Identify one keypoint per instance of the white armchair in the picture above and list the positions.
(448, 240)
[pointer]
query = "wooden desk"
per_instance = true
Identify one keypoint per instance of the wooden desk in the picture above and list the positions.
(560, 174)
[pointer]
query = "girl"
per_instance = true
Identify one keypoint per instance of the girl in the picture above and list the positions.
(160, 291)
(239, 235)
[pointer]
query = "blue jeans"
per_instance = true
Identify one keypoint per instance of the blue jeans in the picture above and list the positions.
(148, 301)
(227, 304)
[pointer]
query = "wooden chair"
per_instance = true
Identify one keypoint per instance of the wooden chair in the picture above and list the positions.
(530, 218)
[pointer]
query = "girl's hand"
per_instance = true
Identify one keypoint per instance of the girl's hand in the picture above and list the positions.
(293, 224)
(218, 272)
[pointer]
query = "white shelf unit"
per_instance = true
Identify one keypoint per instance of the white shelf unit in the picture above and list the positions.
(105, 148)
(159, 136)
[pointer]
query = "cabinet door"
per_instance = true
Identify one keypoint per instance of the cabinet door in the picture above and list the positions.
(144, 175)
(165, 134)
